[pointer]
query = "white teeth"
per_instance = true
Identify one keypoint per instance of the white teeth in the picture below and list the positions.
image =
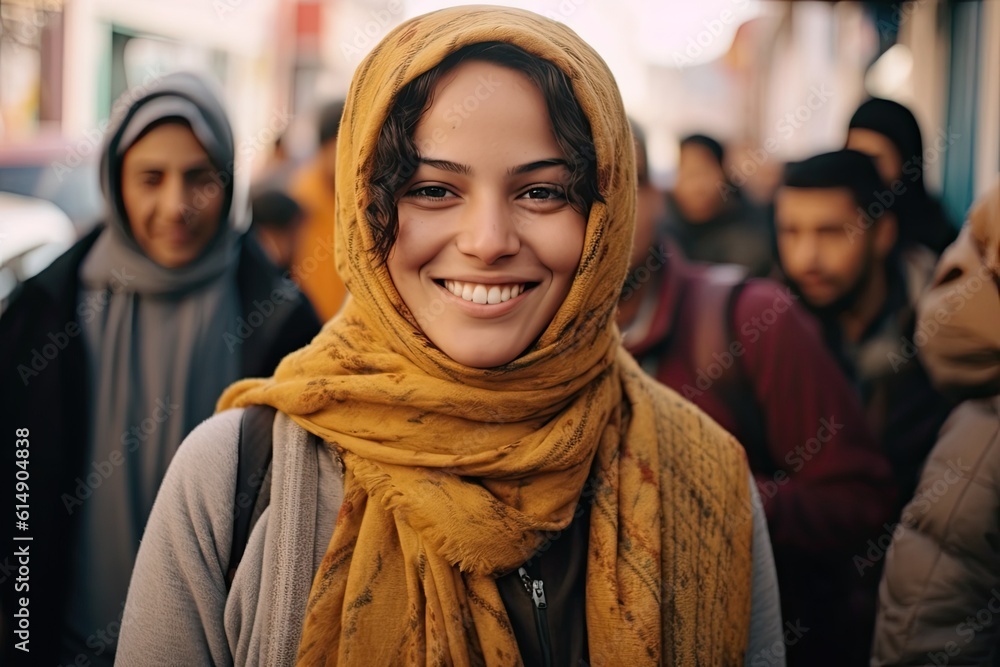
(483, 294)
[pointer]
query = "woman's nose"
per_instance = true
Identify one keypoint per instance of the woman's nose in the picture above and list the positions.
(489, 232)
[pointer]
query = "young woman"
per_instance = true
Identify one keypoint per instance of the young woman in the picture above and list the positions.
(468, 467)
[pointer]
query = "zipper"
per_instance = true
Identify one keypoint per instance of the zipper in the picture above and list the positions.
(536, 589)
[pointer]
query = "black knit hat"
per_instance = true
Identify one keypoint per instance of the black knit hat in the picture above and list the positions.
(897, 124)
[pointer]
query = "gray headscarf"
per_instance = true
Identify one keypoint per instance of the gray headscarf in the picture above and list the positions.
(157, 360)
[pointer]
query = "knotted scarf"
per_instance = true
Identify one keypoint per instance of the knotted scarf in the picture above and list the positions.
(454, 475)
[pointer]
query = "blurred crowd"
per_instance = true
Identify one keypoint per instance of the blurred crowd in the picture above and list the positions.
(827, 331)
(844, 330)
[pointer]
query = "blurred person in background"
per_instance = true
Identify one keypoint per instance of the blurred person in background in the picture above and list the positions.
(942, 573)
(708, 216)
(277, 225)
(313, 186)
(744, 352)
(121, 347)
(838, 250)
(278, 170)
(889, 133)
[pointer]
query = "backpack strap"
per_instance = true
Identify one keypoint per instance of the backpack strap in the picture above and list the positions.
(253, 478)
(716, 295)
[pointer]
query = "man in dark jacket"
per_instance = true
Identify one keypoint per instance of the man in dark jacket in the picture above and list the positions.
(748, 355)
(110, 356)
(838, 249)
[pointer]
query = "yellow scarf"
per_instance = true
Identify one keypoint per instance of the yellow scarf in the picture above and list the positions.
(455, 475)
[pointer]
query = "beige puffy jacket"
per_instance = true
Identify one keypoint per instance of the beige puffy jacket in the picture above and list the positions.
(939, 600)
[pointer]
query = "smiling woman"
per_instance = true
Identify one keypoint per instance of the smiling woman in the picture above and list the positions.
(135, 323)
(484, 225)
(172, 194)
(468, 467)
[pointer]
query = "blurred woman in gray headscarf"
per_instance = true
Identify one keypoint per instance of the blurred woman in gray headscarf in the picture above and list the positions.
(122, 346)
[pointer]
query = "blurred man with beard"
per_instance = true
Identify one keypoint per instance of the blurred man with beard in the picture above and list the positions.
(837, 245)
(744, 352)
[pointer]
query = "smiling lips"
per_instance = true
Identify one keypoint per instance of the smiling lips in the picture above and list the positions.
(484, 294)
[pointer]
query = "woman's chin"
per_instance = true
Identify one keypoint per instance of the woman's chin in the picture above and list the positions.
(480, 356)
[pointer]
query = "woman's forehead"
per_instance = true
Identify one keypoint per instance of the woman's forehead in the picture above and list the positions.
(483, 106)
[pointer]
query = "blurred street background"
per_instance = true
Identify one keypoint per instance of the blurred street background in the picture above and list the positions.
(724, 93)
(773, 80)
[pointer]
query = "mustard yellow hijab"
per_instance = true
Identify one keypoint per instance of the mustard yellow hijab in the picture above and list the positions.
(453, 475)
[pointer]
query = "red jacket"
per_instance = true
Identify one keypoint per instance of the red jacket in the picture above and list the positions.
(826, 486)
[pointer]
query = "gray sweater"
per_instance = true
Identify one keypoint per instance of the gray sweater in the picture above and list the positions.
(178, 610)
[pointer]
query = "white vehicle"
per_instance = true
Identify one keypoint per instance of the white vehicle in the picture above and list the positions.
(33, 232)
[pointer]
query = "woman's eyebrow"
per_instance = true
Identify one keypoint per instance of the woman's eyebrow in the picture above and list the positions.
(466, 170)
(447, 165)
(537, 164)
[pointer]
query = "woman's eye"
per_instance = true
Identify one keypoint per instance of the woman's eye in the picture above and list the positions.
(429, 192)
(544, 192)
